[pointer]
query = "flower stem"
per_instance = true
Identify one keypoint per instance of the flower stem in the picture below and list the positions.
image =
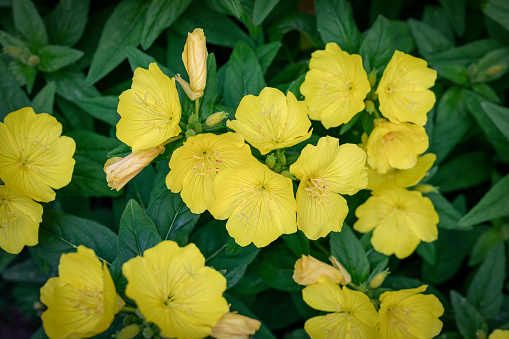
(197, 107)
(128, 309)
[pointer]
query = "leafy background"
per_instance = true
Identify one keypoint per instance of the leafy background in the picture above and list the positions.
(72, 59)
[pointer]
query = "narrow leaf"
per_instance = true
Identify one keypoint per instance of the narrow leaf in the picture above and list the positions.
(12, 97)
(66, 25)
(377, 48)
(55, 57)
(468, 319)
(499, 115)
(29, 23)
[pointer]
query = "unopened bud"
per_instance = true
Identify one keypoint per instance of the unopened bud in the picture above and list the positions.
(277, 168)
(195, 60)
(281, 159)
(198, 128)
(308, 269)
(128, 332)
(13, 51)
(372, 78)
(190, 133)
(193, 119)
(33, 60)
(425, 188)
(216, 118)
(287, 174)
(378, 279)
(148, 332)
(233, 325)
(129, 319)
(369, 106)
(270, 161)
(480, 334)
(373, 96)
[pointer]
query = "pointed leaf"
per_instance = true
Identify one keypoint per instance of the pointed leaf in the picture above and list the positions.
(429, 41)
(348, 250)
(12, 97)
(103, 108)
(261, 9)
(378, 47)
(55, 57)
(29, 23)
(66, 25)
(499, 115)
(468, 319)
(44, 100)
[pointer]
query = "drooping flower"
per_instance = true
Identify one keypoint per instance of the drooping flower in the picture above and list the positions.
(335, 86)
(81, 301)
(195, 165)
(325, 171)
(174, 289)
(393, 145)
(308, 269)
(34, 158)
(409, 314)
(396, 178)
(150, 111)
(403, 89)
(271, 120)
(258, 202)
(401, 219)
(195, 61)
(119, 171)
(235, 326)
(499, 334)
(20, 218)
(352, 315)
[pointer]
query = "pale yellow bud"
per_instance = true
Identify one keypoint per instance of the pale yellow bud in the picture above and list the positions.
(216, 118)
(378, 279)
(13, 51)
(128, 332)
(195, 60)
(235, 326)
(308, 269)
(120, 170)
(425, 188)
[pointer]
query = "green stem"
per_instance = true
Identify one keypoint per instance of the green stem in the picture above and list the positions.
(197, 107)
(128, 309)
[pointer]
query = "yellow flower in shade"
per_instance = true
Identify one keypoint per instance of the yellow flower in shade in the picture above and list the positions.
(235, 326)
(308, 269)
(20, 218)
(335, 86)
(195, 60)
(271, 120)
(150, 110)
(352, 315)
(393, 145)
(403, 89)
(409, 314)
(81, 301)
(499, 334)
(195, 165)
(324, 171)
(258, 202)
(119, 171)
(174, 289)
(34, 158)
(401, 219)
(396, 178)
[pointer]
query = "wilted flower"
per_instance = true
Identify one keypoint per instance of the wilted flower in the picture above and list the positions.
(195, 60)
(235, 326)
(34, 158)
(308, 269)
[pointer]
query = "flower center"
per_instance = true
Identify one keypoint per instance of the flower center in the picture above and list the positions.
(91, 302)
(153, 110)
(256, 202)
(317, 189)
(30, 155)
(207, 162)
(273, 127)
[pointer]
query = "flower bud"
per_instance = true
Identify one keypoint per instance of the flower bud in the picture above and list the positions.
(235, 326)
(148, 332)
(378, 279)
(198, 128)
(128, 332)
(13, 51)
(308, 270)
(195, 60)
(281, 159)
(33, 60)
(193, 119)
(425, 188)
(270, 161)
(372, 78)
(119, 171)
(216, 118)
(190, 133)
(369, 106)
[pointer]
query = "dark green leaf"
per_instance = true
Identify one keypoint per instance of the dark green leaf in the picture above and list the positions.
(487, 91)
(276, 269)
(448, 215)
(267, 53)
(434, 16)
(381, 266)
(401, 36)
(92, 145)
(468, 319)
(427, 251)
(5, 259)
(302, 22)
(348, 250)
(453, 72)
(70, 84)
(484, 244)
(24, 74)
(103, 108)
(29, 23)
(491, 66)
(499, 115)
(75, 117)
(26, 271)
(12, 97)
(261, 9)
(294, 86)
(55, 57)
(455, 11)
(210, 92)
(233, 7)
(297, 242)
(466, 54)
(429, 41)
(498, 10)
(7, 40)
(66, 25)
(377, 48)
(43, 101)
(138, 58)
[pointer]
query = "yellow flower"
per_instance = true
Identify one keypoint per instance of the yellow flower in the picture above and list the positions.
(353, 315)
(409, 314)
(271, 120)
(499, 334)
(82, 301)
(403, 90)
(396, 178)
(258, 202)
(324, 171)
(195, 165)
(393, 145)
(20, 218)
(174, 289)
(401, 219)
(235, 326)
(335, 86)
(195, 60)
(150, 110)
(34, 158)
(119, 171)
(308, 269)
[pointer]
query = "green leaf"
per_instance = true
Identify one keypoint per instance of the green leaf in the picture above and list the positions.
(5, 259)
(44, 100)
(455, 11)
(26, 271)
(261, 9)
(499, 115)
(297, 242)
(468, 319)
(73, 116)
(210, 92)
(61, 233)
(429, 41)
(348, 250)
(55, 57)
(427, 251)
(276, 267)
(494, 204)
(448, 215)
(92, 145)
(29, 23)
(466, 54)
(138, 58)
(103, 108)
(230, 6)
(267, 53)
(160, 15)
(302, 22)
(498, 10)
(401, 36)
(484, 244)
(66, 25)
(123, 29)
(24, 74)
(336, 24)
(70, 84)
(434, 16)
(243, 76)
(377, 48)
(7, 40)
(294, 86)
(12, 97)
(491, 66)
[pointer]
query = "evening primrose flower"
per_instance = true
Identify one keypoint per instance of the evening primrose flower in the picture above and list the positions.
(352, 315)
(393, 145)
(20, 218)
(335, 86)
(81, 301)
(403, 90)
(195, 61)
(308, 269)
(34, 158)
(174, 289)
(396, 178)
(499, 334)
(401, 219)
(150, 111)
(271, 120)
(258, 202)
(235, 326)
(325, 171)
(195, 165)
(409, 314)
